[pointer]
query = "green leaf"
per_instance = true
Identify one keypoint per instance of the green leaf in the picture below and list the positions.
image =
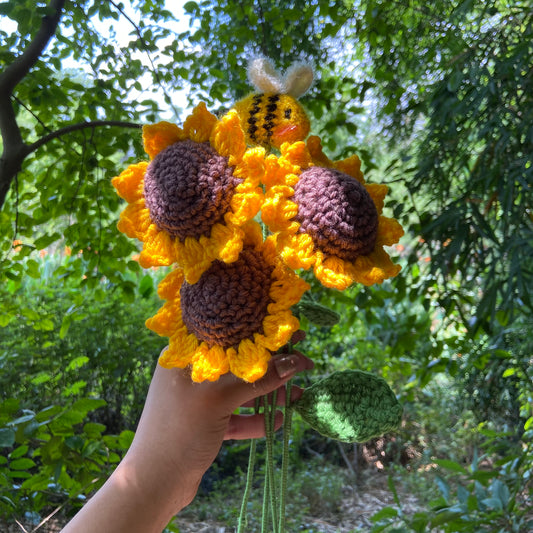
(190, 7)
(350, 406)
(126, 438)
(318, 314)
(42, 377)
(7, 437)
(451, 465)
(65, 325)
(21, 464)
(385, 513)
(77, 363)
(19, 452)
(93, 430)
(85, 405)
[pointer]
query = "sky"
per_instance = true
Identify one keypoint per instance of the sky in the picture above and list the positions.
(123, 30)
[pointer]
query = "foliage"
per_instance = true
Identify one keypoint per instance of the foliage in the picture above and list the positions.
(313, 492)
(73, 376)
(72, 342)
(473, 499)
(459, 95)
(53, 456)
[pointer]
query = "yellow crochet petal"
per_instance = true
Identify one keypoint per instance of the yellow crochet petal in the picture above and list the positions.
(244, 206)
(170, 285)
(158, 248)
(273, 174)
(287, 291)
(180, 351)
(352, 167)
(192, 257)
(157, 137)
(377, 192)
(374, 268)
(270, 254)
(297, 251)
(135, 220)
(332, 272)
(277, 211)
(253, 234)
(164, 321)
(227, 138)
(130, 183)
(199, 125)
(208, 364)
(225, 242)
(314, 146)
(390, 231)
(278, 330)
(252, 167)
(250, 362)
(297, 154)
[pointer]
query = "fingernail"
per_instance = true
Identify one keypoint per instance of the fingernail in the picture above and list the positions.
(286, 366)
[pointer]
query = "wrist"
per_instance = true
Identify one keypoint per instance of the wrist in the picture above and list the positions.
(157, 482)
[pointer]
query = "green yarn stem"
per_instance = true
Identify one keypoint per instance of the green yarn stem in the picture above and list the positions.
(266, 499)
(287, 423)
(249, 478)
(270, 462)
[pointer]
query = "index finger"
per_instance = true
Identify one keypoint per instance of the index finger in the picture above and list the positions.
(281, 368)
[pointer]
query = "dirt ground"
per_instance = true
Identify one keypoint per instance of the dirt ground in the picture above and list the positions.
(359, 504)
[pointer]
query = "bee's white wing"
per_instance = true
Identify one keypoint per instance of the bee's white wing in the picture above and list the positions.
(264, 76)
(298, 79)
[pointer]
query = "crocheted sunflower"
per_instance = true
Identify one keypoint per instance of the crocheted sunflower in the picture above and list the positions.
(234, 316)
(327, 217)
(188, 204)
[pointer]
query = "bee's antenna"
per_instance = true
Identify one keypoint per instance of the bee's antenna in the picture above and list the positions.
(263, 76)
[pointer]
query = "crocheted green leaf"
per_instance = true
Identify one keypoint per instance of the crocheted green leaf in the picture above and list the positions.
(350, 406)
(318, 314)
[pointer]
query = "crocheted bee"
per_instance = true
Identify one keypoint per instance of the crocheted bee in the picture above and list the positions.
(273, 116)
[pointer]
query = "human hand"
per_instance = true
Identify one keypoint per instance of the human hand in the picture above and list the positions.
(179, 435)
(184, 423)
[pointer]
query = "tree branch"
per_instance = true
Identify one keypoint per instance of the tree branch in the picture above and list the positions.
(14, 149)
(76, 127)
(17, 70)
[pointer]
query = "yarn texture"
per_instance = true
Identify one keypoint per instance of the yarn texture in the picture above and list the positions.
(317, 314)
(337, 212)
(271, 119)
(233, 317)
(189, 203)
(229, 302)
(350, 406)
(327, 217)
(188, 189)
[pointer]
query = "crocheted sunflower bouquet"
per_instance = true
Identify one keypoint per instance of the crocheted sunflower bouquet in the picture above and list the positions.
(234, 295)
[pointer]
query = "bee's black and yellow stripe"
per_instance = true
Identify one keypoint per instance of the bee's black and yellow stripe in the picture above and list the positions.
(262, 117)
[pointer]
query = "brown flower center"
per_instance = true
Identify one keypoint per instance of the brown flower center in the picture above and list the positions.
(188, 188)
(229, 302)
(337, 211)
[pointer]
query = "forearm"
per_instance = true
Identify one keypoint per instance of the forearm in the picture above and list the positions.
(135, 499)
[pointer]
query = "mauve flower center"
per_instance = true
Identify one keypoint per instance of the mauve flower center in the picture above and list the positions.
(337, 211)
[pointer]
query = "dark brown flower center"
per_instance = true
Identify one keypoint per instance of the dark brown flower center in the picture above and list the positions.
(229, 302)
(337, 211)
(188, 188)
